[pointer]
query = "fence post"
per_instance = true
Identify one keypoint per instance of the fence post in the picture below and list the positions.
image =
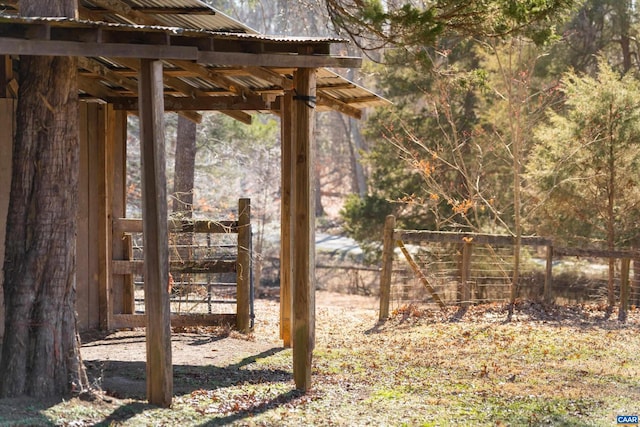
(387, 266)
(465, 268)
(128, 296)
(548, 277)
(624, 289)
(243, 266)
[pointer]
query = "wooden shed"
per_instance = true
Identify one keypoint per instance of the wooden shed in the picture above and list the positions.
(146, 57)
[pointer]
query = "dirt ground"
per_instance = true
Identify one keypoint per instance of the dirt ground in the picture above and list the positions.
(116, 362)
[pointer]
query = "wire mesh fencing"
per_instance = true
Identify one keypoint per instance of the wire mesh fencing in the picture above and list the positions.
(427, 268)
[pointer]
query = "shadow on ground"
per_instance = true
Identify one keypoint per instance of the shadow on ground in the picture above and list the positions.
(127, 379)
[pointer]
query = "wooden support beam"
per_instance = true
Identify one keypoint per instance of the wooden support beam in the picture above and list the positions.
(271, 76)
(16, 46)
(240, 116)
(336, 104)
(202, 103)
(156, 249)
(286, 129)
(303, 246)
(277, 60)
(243, 269)
(173, 82)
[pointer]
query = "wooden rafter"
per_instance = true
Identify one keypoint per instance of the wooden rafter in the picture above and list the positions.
(101, 70)
(183, 88)
(336, 104)
(142, 18)
(120, 7)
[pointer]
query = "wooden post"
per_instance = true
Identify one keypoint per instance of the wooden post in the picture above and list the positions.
(243, 267)
(388, 244)
(624, 289)
(156, 240)
(465, 268)
(128, 296)
(286, 124)
(548, 277)
(102, 159)
(303, 244)
(120, 287)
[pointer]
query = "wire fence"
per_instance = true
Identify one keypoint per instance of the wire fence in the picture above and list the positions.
(426, 268)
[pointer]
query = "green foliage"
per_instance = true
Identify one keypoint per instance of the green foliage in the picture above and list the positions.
(583, 172)
(415, 25)
(364, 216)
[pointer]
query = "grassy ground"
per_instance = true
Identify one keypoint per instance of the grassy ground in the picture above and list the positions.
(560, 367)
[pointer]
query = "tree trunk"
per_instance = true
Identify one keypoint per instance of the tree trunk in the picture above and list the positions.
(183, 181)
(40, 353)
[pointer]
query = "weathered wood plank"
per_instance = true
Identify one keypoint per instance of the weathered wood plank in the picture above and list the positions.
(128, 284)
(119, 287)
(593, 253)
(83, 291)
(303, 246)
(340, 106)
(202, 103)
(275, 60)
(134, 225)
(122, 321)
(124, 267)
(154, 202)
(101, 207)
(14, 46)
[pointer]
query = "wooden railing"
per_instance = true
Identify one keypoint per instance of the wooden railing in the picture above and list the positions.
(126, 269)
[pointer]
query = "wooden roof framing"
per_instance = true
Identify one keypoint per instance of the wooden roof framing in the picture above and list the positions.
(259, 68)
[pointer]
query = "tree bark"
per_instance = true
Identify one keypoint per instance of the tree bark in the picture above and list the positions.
(183, 181)
(40, 353)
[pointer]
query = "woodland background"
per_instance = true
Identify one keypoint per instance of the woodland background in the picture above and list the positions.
(532, 132)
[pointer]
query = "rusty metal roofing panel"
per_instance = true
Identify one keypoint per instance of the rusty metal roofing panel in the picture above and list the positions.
(204, 16)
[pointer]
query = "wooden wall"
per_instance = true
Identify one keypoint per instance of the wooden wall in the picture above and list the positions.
(102, 196)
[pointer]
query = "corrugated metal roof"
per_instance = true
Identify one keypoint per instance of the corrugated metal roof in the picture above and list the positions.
(208, 22)
(205, 17)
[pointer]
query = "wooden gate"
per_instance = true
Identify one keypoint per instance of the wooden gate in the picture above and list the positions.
(124, 271)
